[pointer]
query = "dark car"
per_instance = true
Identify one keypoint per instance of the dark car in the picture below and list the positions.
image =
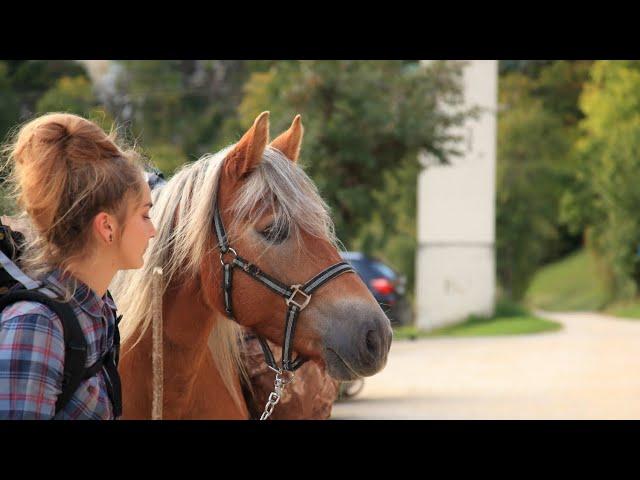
(387, 285)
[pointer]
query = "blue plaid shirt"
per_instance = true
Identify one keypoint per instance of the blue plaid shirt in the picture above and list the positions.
(32, 357)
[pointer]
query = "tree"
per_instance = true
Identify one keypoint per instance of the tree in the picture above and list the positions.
(179, 106)
(9, 104)
(530, 68)
(529, 185)
(366, 122)
(23, 82)
(604, 199)
(537, 128)
(75, 95)
(363, 120)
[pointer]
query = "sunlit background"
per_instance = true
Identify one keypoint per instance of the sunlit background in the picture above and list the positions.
(492, 207)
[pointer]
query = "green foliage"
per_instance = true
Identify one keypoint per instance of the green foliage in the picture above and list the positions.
(518, 325)
(393, 238)
(575, 282)
(22, 84)
(530, 68)
(509, 319)
(535, 167)
(72, 94)
(365, 123)
(7, 205)
(604, 200)
(184, 103)
(9, 105)
(75, 95)
(31, 78)
(625, 309)
(168, 158)
(559, 87)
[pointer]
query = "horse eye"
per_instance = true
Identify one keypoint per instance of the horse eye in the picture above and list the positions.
(273, 235)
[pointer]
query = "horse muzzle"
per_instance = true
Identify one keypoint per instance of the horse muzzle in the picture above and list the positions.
(357, 339)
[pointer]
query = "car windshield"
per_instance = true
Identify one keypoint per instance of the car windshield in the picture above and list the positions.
(373, 268)
(383, 269)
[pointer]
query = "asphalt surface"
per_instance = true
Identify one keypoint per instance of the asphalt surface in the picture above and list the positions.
(588, 370)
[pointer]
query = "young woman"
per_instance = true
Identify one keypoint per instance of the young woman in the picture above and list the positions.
(88, 204)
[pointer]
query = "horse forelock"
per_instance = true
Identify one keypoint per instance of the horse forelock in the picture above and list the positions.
(281, 187)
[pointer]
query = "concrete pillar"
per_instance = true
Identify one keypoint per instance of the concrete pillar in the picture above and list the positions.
(455, 270)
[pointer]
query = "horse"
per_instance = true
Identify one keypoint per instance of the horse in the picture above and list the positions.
(278, 220)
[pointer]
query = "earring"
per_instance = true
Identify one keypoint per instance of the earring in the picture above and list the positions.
(110, 238)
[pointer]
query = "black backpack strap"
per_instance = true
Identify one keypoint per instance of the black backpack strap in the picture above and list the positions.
(110, 361)
(116, 333)
(74, 341)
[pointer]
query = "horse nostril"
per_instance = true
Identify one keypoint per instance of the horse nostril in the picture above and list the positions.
(373, 342)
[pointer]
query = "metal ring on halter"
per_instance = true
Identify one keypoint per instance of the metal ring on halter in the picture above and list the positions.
(281, 374)
(235, 254)
(286, 377)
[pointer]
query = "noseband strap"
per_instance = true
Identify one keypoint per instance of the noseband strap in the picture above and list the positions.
(297, 297)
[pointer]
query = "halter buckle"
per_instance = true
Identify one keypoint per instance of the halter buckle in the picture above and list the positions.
(290, 300)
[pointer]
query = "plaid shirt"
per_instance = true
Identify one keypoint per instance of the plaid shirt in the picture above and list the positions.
(32, 357)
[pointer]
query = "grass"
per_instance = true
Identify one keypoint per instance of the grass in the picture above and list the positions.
(509, 319)
(573, 284)
(567, 285)
(628, 309)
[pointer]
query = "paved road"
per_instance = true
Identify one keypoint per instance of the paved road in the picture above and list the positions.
(589, 370)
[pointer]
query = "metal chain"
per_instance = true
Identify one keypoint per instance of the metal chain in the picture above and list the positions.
(278, 389)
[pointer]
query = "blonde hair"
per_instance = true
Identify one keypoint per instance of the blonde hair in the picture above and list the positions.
(64, 170)
(182, 214)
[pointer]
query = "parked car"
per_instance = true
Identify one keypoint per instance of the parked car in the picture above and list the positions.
(387, 285)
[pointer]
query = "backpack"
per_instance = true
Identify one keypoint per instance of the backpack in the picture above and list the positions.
(16, 286)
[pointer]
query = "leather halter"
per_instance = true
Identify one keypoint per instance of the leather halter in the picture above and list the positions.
(297, 297)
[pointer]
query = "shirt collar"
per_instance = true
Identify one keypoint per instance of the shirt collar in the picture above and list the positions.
(87, 299)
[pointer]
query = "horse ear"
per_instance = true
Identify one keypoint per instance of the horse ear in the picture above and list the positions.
(289, 142)
(247, 153)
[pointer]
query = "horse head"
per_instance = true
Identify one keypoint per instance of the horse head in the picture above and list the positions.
(277, 220)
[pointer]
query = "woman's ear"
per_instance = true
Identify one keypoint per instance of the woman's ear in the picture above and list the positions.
(104, 226)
